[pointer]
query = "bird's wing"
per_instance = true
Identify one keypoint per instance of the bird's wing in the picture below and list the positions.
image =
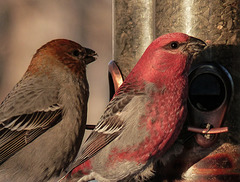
(19, 128)
(29, 95)
(109, 127)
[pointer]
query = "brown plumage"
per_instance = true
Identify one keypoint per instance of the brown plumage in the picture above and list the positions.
(42, 120)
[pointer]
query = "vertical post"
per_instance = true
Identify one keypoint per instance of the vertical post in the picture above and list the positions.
(133, 31)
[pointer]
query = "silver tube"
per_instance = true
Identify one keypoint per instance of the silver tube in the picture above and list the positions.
(133, 31)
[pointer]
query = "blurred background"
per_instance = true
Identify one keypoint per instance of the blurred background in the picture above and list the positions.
(26, 25)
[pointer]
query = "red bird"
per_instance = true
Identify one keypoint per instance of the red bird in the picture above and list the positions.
(145, 116)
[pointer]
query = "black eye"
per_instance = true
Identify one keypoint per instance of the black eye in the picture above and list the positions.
(76, 53)
(174, 45)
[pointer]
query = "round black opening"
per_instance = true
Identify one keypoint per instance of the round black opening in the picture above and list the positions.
(206, 92)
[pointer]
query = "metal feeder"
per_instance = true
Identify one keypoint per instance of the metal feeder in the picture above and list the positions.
(211, 135)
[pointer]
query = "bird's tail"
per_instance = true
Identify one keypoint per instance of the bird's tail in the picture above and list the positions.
(81, 171)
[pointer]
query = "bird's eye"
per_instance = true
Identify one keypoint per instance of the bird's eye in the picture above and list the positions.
(76, 53)
(174, 45)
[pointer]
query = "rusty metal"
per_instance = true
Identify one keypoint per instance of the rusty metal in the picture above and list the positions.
(115, 77)
(116, 74)
(208, 131)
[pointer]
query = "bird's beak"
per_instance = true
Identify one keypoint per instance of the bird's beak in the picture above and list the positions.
(195, 45)
(90, 56)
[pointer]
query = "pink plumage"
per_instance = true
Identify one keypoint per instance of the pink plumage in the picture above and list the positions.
(145, 116)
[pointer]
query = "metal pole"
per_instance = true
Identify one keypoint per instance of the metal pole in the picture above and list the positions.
(133, 31)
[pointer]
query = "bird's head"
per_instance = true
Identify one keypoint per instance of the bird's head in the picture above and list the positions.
(170, 55)
(62, 53)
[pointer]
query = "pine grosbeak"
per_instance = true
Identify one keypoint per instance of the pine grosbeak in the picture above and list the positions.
(145, 116)
(42, 120)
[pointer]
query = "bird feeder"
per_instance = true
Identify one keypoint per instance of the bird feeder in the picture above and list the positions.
(211, 134)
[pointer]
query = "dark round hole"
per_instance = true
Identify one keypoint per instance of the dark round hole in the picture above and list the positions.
(206, 92)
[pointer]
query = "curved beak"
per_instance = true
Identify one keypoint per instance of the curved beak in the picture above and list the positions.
(195, 45)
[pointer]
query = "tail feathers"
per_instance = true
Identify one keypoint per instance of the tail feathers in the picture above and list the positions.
(83, 171)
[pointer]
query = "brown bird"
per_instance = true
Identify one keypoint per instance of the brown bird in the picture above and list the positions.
(42, 120)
